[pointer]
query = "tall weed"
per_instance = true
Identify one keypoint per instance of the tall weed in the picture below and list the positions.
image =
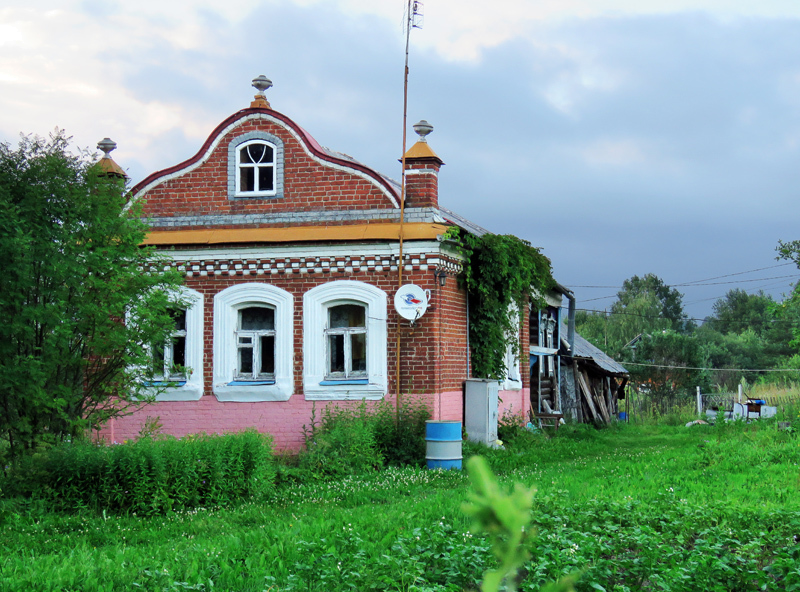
(358, 440)
(149, 476)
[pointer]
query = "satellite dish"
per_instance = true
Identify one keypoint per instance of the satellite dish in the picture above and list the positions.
(411, 301)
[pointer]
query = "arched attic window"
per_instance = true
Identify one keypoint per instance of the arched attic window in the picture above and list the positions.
(255, 166)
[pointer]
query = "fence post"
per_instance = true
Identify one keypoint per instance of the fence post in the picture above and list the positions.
(740, 393)
(699, 403)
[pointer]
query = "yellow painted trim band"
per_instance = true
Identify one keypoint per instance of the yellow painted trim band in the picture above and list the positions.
(391, 231)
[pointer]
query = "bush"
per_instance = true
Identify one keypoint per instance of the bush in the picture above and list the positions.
(359, 440)
(149, 476)
(343, 444)
(510, 427)
(401, 443)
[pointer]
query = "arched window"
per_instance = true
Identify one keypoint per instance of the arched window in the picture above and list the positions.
(256, 170)
(179, 360)
(253, 343)
(344, 341)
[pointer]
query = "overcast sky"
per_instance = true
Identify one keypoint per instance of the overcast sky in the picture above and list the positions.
(622, 137)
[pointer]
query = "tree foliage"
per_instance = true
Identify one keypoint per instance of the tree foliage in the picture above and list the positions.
(80, 299)
(644, 306)
(673, 360)
(502, 274)
(649, 295)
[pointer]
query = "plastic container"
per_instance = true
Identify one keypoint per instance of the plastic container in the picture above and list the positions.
(443, 440)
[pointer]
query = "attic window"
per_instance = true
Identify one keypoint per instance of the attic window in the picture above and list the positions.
(256, 169)
(255, 166)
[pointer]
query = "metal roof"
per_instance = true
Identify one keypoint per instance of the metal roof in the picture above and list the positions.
(462, 222)
(584, 349)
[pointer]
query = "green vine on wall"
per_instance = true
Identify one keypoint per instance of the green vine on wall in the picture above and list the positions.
(500, 270)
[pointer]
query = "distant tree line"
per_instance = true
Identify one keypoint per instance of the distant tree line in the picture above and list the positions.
(667, 352)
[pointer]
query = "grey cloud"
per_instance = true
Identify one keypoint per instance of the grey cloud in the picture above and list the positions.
(712, 106)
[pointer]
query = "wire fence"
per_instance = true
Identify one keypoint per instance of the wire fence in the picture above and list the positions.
(651, 405)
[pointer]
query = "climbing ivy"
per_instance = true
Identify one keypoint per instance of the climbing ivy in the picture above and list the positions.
(502, 274)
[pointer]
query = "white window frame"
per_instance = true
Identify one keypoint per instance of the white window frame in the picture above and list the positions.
(192, 388)
(240, 165)
(169, 354)
(316, 302)
(227, 303)
(513, 381)
(255, 336)
(347, 342)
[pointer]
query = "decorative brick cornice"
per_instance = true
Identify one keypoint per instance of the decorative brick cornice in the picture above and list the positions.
(300, 266)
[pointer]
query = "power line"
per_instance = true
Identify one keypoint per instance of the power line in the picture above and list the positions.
(699, 282)
(633, 314)
(741, 273)
(712, 369)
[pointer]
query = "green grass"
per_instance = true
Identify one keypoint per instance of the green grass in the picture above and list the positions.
(635, 507)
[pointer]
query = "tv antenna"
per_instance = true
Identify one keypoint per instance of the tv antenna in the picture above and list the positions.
(413, 20)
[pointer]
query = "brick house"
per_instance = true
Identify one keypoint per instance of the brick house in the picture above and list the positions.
(291, 253)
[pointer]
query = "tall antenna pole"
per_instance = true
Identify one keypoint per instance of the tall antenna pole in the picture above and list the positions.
(411, 11)
(409, 17)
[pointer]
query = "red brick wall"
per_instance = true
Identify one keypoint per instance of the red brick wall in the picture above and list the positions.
(433, 361)
(422, 189)
(308, 185)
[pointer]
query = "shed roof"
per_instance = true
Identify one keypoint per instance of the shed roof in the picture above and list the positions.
(585, 350)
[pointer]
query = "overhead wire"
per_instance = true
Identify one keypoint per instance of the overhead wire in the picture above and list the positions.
(692, 282)
(712, 369)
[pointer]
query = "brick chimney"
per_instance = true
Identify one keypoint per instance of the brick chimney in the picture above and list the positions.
(422, 171)
(106, 165)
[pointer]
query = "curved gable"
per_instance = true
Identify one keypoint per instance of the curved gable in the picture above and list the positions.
(306, 176)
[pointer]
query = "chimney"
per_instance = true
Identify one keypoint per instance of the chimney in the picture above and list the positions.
(109, 168)
(422, 171)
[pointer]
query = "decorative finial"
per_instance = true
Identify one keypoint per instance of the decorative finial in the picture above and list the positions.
(107, 145)
(109, 168)
(423, 128)
(261, 84)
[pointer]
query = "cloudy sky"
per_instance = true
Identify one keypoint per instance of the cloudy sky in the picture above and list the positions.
(622, 137)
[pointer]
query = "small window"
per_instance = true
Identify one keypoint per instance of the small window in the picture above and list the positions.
(256, 169)
(255, 344)
(169, 359)
(346, 340)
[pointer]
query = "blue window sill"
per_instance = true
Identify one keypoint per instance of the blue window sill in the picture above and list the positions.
(337, 382)
(170, 383)
(250, 382)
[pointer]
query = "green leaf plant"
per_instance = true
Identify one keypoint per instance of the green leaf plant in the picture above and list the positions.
(505, 518)
(502, 274)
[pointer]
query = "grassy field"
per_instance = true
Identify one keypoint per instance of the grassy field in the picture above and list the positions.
(632, 507)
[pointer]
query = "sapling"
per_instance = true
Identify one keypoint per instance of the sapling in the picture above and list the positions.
(505, 517)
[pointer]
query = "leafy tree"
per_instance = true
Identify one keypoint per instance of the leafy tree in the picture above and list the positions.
(739, 311)
(644, 306)
(744, 332)
(673, 360)
(649, 294)
(80, 299)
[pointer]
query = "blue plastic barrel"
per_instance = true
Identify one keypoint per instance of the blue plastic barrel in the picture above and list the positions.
(623, 416)
(443, 440)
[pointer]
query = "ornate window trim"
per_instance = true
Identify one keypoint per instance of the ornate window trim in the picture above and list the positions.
(316, 302)
(192, 388)
(227, 304)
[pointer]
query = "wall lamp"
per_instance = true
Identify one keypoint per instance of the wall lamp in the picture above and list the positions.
(441, 276)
